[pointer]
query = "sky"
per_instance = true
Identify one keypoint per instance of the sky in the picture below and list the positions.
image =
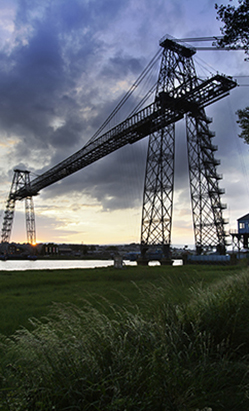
(64, 65)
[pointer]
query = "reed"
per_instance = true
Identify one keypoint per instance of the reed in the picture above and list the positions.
(159, 355)
(27, 294)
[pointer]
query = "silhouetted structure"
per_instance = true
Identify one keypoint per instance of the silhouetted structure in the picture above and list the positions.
(179, 93)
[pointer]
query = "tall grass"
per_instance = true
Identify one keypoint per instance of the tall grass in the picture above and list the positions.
(171, 357)
(26, 294)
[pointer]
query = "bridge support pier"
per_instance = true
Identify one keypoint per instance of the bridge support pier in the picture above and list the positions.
(21, 179)
(142, 261)
(166, 261)
(177, 77)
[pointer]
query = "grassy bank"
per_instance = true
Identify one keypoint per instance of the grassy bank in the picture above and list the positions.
(27, 294)
(177, 339)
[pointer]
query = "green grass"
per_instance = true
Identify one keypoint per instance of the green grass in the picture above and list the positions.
(27, 294)
(161, 338)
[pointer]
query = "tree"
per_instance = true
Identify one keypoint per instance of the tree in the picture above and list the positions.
(243, 122)
(236, 25)
(236, 33)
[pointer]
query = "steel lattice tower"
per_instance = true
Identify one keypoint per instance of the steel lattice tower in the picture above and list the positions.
(177, 78)
(21, 180)
(179, 93)
(204, 186)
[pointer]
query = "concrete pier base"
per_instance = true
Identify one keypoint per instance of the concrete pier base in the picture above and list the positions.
(142, 261)
(166, 261)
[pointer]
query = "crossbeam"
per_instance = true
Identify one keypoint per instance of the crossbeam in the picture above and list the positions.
(168, 109)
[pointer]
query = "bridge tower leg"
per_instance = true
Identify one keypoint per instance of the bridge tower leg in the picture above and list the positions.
(207, 208)
(158, 191)
(20, 179)
(30, 220)
(178, 76)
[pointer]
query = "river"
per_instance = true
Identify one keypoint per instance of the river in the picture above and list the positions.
(22, 265)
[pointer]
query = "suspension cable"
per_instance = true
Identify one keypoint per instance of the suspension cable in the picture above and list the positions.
(144, 99)
(128, 94)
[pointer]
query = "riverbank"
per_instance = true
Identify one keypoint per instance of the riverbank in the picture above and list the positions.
(28, 292)
(142, 338)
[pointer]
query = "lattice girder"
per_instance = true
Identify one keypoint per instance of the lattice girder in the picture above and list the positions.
(21, 180)
(158, 188)
(207, 208)
(30, 220)
(177, 78)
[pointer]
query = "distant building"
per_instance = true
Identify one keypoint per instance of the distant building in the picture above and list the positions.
(65, 250)
(241, 236)
(243, 224)
(50, 249)
(16, 249)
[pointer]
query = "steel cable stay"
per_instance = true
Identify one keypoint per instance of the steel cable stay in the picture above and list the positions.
(144, 100)
(206, 67)
(147, 94)
(134, 86)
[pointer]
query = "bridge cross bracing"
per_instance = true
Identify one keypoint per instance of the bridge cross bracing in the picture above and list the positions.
(179, 92)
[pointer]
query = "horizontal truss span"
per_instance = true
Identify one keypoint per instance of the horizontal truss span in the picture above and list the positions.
(168, 109)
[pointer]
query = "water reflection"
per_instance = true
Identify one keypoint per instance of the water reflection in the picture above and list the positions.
(19, 265)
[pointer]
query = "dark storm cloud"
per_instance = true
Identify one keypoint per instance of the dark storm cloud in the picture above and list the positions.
(31, 89)
(43, 73)
(41, 79)
(115, 181)
(58, 84)
(120, 65)
(68, 16)
(46, 83)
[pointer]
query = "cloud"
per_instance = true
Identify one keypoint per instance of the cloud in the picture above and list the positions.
(64, 67)
(115, 181)
(46, 78)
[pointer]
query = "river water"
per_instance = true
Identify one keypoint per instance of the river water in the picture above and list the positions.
(20, 265)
